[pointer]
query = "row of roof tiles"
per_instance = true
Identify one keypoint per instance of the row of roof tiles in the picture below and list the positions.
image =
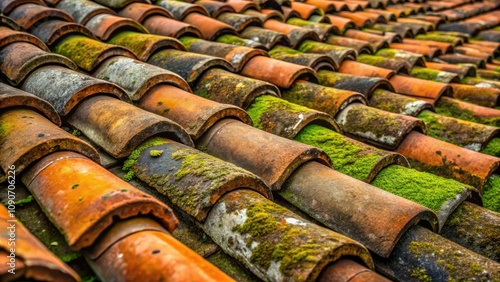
(114, 69)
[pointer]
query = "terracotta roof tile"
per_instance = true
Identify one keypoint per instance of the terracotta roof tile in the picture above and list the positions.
(361, 84)
(82, 10)
(215, 8)
(51, 31)
(181, 9)
(162, 25)
(28, 15)
(139, 12)
(240, 21)
(8, 36)
(268, 38)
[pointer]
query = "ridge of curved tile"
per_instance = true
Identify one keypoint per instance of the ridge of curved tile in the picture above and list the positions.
(117, 4)
(5, 21)
(18, 60)
(357, 120)
(83, 10)
(266, 14)
(482, 96)
(27, 136)
(182, 9)
(462, 71)
(13, 97)
(228, 213)
(210, 28)
(197, 190)
(268, 38)
(243, 6)
(238, 56)
(338, 53)
(195, 114)
(361, 46)
(120, 127)
(457, 58)
(32, 259)
(188, 65)
(162, 25)
(361, 84)
(435, 75)
(427, 51)
(398, 66)
(138, 240)
(8, 36)
(397, 103)
(314, 61)
(349, 270)
(414, 59)
(65, 88)
(215, 84)
(342, 203)
(321, 29)
(8, 5)
(51, 31)
(216, 8)
(28, 15)
(240, 21)
(341, 23)
(297, 35)
(286, 119)
(83, 199)
(445, 47)
(140, 11)
(136, 77)
(226, 138)
(104, 25)
(145, 45)
(457, 108)
(279, 73)
(445, 159)
(88, 53)
(360, 69)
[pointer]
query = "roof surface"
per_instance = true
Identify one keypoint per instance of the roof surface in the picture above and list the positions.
(250, 140)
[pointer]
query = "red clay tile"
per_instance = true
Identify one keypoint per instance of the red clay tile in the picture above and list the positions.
(266, 14)
(117, 4)
(463, 59)
(448, 160)
(238, 56)
(314, 61)
(445, 47)
(226, 138)
(241, 6)
(145, 45)
(28, 15)
(268, 38)
(82, 10)
(419, 88)
(399, 104)
(119, 127)
(361, 84)
(436, 20)
(378, 42)
(18, 60)
(141, 11)
(435, 75)
(104, 26)
(215, 83)
(136, 77)
(357, 68)
(413, 59)
(391, 128)
(168, 259)
(65, 88)
(216, 8)
(239, 21)
(348, 270)
(52, 31)
(376, 18)
(341, 23)
(8, 36)
(12, 97)
(326, 99)
(427, 51)
(323, 30)
(402, 30)
(490, 49)
(389, 16)
(186, 64)
(297, 35)
(333, 198)
(331, 246)
(308, 9)
(210, 28)
(482, 96)
(462, 71)
(360, 20)
(280, 73)
(180, 9)
(32, 259)
(398, 66)
(482, 114)
(88, 53)
(28, 136)
(82, 198)
(194, 113)
(169, 27)
(326, 6)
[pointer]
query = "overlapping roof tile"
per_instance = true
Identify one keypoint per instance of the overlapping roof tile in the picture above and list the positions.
(258, 123)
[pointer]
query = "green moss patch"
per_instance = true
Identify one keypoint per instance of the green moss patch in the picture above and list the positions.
(232, 39)
(453, 110)
(348, 156)
(492, 148)
(427, 189)
(264, 220)
(266, 104)
(421, 275)
(491, 194)
(129, 163)
(187, 41)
